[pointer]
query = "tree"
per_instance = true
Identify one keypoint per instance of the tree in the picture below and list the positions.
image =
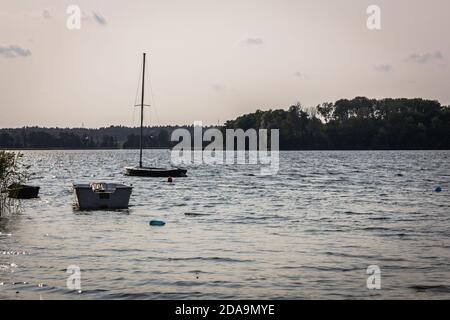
(325, 111)
(108, 142)
(132, 142)
(163, 138)
(6, 140)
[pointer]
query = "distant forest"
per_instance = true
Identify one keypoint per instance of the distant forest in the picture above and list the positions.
(357, 124)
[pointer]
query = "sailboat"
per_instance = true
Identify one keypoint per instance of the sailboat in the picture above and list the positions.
(142, 171)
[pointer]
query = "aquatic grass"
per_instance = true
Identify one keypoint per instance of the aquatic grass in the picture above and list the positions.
(11, 172)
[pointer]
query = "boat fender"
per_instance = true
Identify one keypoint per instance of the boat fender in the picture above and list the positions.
(158, 223)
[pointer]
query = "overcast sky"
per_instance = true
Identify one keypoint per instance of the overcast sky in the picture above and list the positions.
(213, 60)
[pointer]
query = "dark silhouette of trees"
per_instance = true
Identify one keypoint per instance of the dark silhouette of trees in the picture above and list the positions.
(132, 142)
(6, 140)
(108, 142)
(360, 123)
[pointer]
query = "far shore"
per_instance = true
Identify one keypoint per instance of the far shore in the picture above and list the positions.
(111, 149)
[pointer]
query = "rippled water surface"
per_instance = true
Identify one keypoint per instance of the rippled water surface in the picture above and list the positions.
(310, 231)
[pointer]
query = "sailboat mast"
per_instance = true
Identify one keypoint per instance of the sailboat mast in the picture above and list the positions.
(142, 112)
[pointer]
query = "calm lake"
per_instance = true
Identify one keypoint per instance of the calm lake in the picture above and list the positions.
(311, 231)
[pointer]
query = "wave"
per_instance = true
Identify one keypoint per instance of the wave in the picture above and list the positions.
(215, 259)
(432, 288)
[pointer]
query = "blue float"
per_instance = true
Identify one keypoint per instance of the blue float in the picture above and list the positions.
(158, 223)
(438, 189)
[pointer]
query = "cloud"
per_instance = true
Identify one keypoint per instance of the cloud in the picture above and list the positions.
(426, 57)
(99, 18)
(301, 75)
(218, 87)
(254, 41)
(46, 14)
(85, 16)
(14, 51)
(383, 68)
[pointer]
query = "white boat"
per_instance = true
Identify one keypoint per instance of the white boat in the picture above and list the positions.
(102, 195)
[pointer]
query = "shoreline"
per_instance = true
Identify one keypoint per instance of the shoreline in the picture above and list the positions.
(110, 149)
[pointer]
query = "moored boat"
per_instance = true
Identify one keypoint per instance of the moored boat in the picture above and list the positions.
(141, 171)
(155, 172)
(21, 191)
(102, 195)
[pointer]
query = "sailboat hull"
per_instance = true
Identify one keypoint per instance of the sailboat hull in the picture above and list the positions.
(155, 172)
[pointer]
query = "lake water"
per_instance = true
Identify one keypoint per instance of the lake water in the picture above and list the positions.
(308, 232)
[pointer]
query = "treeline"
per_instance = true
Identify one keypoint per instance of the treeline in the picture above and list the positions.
(357, 124)
(113, 137)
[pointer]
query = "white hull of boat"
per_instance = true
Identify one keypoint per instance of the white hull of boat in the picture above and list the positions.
(114, 196)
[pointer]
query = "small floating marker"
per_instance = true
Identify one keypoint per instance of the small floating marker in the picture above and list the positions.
(169, 179)
(158, 223)
(438, 189)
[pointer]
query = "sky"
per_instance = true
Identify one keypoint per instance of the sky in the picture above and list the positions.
(210, 60)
